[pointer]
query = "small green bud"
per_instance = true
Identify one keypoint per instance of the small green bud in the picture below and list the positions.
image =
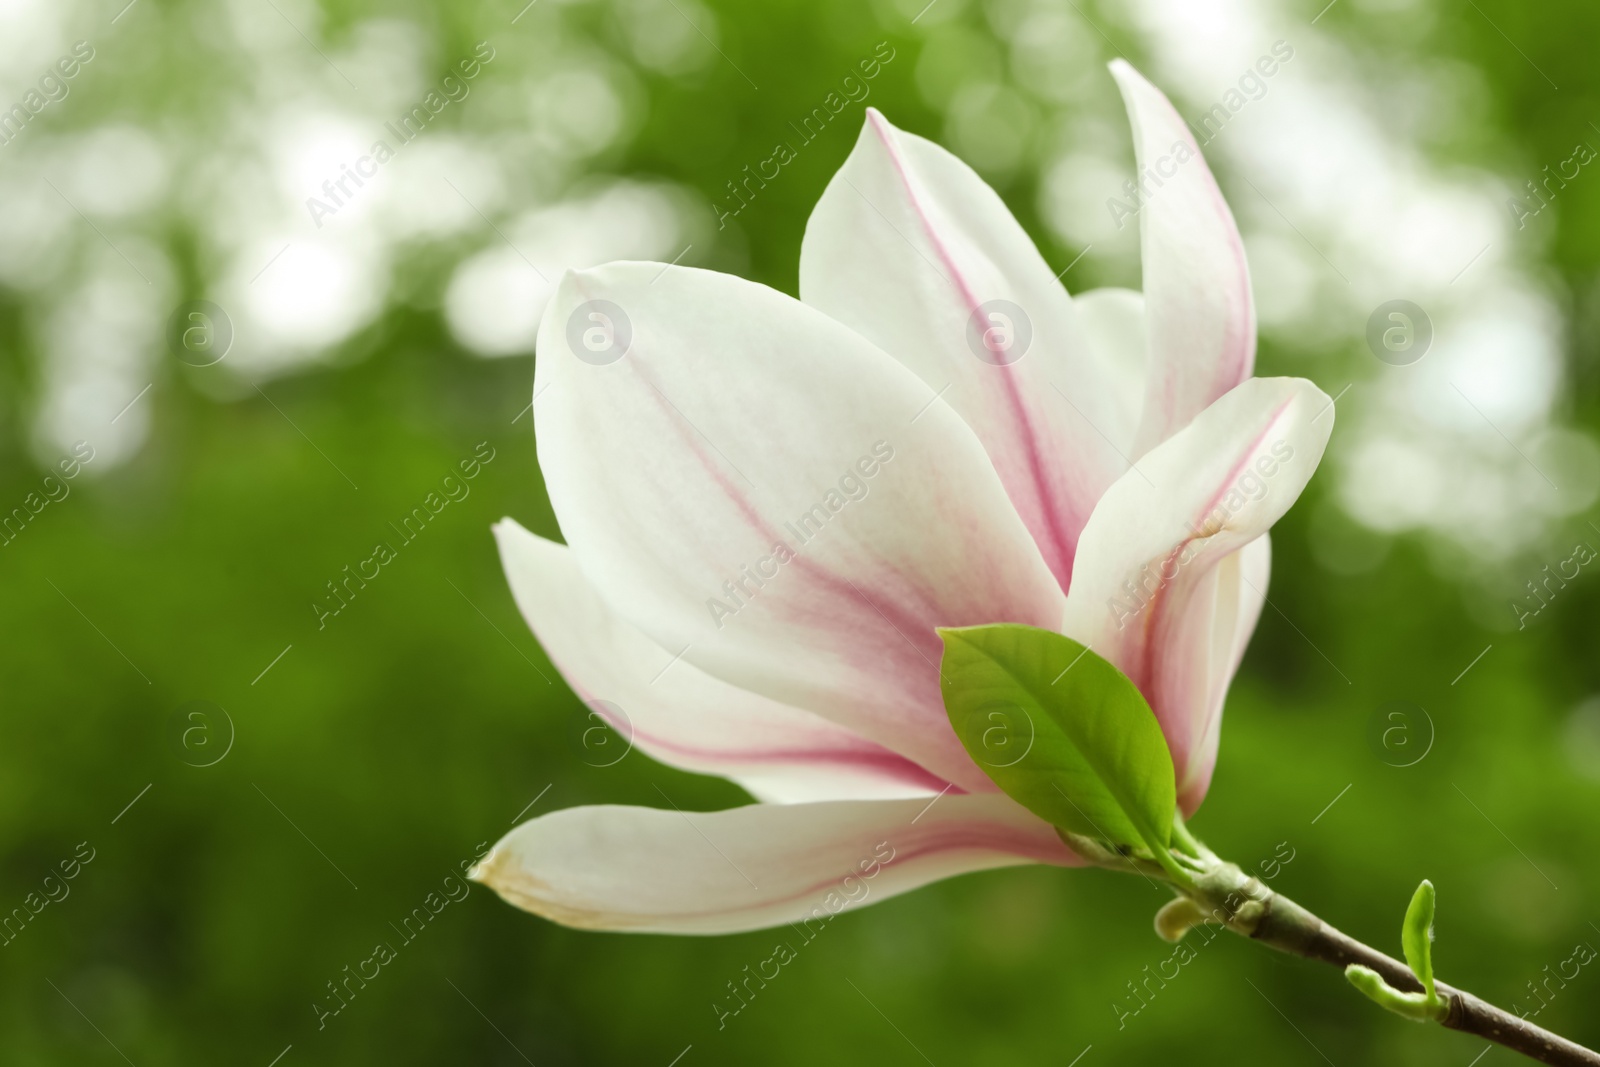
(1418, 1007)
(1416, 936)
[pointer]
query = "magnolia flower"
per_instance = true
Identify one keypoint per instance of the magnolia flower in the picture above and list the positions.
(771, 504)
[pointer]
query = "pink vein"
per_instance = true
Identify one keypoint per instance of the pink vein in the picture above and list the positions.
(1156, 621)
(759, 523)
(870, 756)
(1065, 544)
(931, 727)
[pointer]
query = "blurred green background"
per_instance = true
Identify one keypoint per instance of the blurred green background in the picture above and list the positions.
(351, 768)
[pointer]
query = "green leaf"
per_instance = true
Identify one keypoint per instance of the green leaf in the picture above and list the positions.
(1061, 731)
(1416, 936)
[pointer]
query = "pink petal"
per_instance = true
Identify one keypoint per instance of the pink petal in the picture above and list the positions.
(909, 247)
(1158, 592)
(1240, 582)
(760, 490)
(665, 871)
(1113, 321)
(1200, 315)
(683, 716)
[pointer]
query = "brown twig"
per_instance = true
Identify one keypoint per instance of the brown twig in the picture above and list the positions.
(1287, 927)
(1215, 891)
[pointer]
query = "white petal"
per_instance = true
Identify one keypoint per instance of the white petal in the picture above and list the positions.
(1113, 321)
(683, 716)
(909, 247)
(1152, 594)
(664, 871)
(1222, 621)
(760, 490)
(1200, 314)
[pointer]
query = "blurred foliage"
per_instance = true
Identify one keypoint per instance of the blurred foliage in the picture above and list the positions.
(380, 751)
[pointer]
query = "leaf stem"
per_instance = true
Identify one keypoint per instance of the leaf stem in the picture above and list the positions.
(1186, 840)
(1175, 871)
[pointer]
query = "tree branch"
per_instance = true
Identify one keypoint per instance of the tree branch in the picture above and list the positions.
(1287, 927)
(1219, 892)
